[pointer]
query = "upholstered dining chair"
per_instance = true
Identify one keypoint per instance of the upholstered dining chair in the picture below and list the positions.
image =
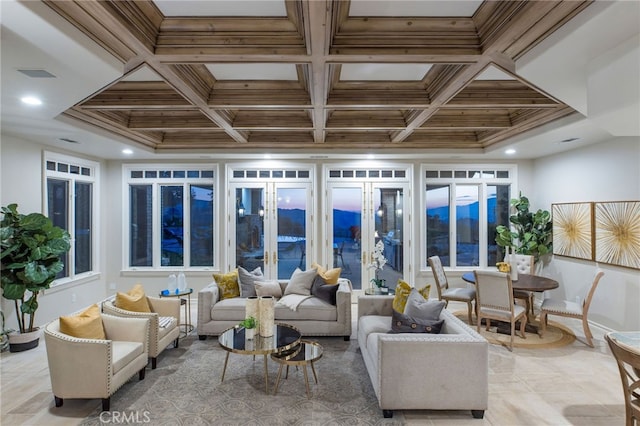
(525, 264)
(494, 293)
(629, 365)
(567, 308)
(446, 293)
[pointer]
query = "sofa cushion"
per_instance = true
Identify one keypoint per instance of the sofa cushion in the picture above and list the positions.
(85, 325)
(134, 300)
(248, 281)
(229, 310)
(419, 307)
(124, 352)
(228, 284)
(310, 309)
(371, 324)
(403, 289)
(330, 276)
(324, 291)
(268, 288)
(300, 282)
(401, 323)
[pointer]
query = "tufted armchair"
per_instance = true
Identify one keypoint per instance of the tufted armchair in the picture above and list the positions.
(95, 368)
(160, 335)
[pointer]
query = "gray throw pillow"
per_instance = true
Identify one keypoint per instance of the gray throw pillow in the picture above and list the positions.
(401, 323)
(247, 281)
(300, 282)
(419, 307)
(324, 291)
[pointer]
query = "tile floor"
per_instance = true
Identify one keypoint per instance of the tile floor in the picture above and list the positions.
(572, 385)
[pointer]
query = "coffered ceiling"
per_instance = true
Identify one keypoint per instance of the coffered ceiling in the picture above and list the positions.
(308, 75)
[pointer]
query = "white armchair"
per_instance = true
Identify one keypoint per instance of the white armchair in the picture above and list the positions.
(94, 368)
(159, 337)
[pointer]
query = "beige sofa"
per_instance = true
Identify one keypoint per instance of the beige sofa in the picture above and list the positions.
(446, 371)
(313, 317)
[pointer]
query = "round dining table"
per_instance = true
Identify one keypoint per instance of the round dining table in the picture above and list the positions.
(524, 282)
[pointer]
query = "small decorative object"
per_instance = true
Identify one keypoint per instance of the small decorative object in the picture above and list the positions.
(251, 309)
(377, 264)
(249, 324)
(172, 284)
(503, 267)
(266, 315)
(182, 282)
(514, 266)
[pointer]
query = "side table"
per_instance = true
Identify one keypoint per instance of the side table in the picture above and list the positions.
(186, 302)
(305, 354)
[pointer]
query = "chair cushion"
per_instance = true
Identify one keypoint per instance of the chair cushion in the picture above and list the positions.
(330, 276)
(459, 293)
(502, 315)
(403, 289)
(268, 288)
(401, 323)
(420, 308)
(370, 324)
(248, 281)
(134, 300)
(228, 284)
(85, 325)
(124, 353)
(300, 282)
(163, 331)
(561, 306)
(324, 291)
(233, 309)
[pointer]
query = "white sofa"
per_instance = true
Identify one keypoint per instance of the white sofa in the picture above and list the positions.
(314, 317)
(446, 371)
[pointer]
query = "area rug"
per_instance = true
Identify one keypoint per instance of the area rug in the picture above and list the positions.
(555, 336)
(185, 389)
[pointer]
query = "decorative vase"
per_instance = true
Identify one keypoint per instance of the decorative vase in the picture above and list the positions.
(266, 315)
(172, 284)
(182, 282)
(251, 309)
(249, 333)
(19, 342)
(514, 267)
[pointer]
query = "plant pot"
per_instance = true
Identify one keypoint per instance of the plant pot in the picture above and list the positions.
(249, 333)
(19, 342)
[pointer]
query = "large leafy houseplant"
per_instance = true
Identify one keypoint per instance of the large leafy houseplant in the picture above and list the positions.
(30, 257)
(532, 232)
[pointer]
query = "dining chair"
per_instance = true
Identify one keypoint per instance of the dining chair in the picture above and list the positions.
(495, 301)
(567, 308)
(629, 366)
(446, 293)
(525, 265)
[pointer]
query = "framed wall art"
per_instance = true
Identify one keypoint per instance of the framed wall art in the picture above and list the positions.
(617, 233)
(573, 230)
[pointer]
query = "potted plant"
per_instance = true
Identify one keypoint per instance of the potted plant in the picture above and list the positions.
(532, 232)
(249, 324)
(30, 257)
(377, 264)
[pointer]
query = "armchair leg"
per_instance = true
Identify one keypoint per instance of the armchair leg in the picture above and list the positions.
(202, 337)
(58, 401)
(477, 414)
(106, 403)
(141, 373)
(176, 342)
(154, 363)
(387, 414)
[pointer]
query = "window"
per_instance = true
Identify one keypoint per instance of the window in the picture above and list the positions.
(463, 207)
(170, 216)
(70, 204)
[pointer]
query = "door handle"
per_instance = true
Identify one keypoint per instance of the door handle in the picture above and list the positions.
(266, 257)
(275, 257)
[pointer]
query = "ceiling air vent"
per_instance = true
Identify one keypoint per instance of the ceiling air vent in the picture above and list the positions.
(37, 73)
(68, 140)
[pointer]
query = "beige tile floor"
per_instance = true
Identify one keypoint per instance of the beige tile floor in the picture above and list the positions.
(572, 385)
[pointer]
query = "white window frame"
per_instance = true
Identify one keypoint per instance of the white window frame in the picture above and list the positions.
(72, 178)
(452, 181)
(156, 183)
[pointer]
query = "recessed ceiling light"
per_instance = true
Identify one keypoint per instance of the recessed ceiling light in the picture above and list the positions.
(371, 156)
(510, 151)
(127, 151)
(267, 156)
(568, 140)
(67, 140)
(31, 100)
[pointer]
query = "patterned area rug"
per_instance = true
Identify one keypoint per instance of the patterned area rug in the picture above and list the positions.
(556, 335)
(185, 389)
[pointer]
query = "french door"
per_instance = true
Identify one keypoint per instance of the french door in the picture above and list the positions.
(270, 224)
(362, 213)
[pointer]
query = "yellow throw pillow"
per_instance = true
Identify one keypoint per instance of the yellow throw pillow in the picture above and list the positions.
(86, 325)
(228, 284)
(134, 300)
(402, 293)
(330, 276)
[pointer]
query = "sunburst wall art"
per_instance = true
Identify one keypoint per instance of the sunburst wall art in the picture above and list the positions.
(617, 233)
(573, 230)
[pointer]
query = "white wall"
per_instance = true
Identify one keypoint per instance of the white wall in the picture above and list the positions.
(21, 175)
(608, 171)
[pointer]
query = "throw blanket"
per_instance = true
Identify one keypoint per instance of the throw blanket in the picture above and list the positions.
(292, 301)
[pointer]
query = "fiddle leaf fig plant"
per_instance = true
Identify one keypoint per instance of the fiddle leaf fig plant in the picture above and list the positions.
(30, 258)
(530, 233)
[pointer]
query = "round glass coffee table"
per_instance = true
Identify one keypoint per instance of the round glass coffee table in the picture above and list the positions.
(305, 354)
(233, 340)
